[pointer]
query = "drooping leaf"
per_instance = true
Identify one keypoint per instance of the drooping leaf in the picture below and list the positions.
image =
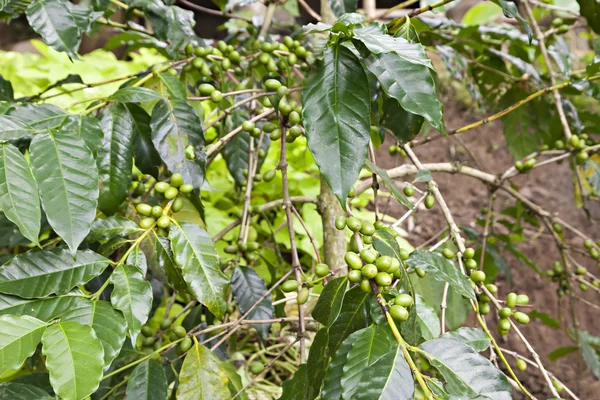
(352, 317)
(404, 125)
(146, 157)
(148, 382)
(198, 260)
(44, 309)
(589, 353)
(137, 258)
(441, 270)
(132, 295)
(427, 319)
(115, 158)
(108, 228)
(247, 288)
(545, 319)
(466, 372)
(175, 126)
(389, 183)
(88, 128)
(38, 274)
(12, 128)
(330, 301)
(133, 94)
(54, 22)
(201, 376)
(22, 391)
(67, 178)
(476, 338)
(18, 192)
(591, 11)
(561, 352)
(235, 382)
(166, 262)
(110, 326)
(19, 337)
(74, 358)
(336, 117)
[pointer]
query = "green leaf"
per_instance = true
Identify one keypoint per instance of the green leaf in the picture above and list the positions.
(198, 259)
(330, 301)
(427, 319)
(67, 178)
(340, 7)
(336, 117)
(247, 288)
(236, 154)
(40, 273)
(176, 125)
(108, 325)
(423, 175)
(561, 352)
(40, 116)
(132, 94)
(482, 13)
(201, 376)
(377, 41)
(166, 262)
(108, 228)
(146, 156)
(591, 11)
(389, 183)
(115, 158)
(74, 357)
(476, 338)
(589, 353)
(19, 337)
(442, 270)
(6, 89)
(18, 192)
(44, 309)
(132, 295)
(21, 391)
(510, 10)
(332, 388)
(352, 317)
(545, 318)
(137, 258)
(12, 128)
(88, 128)
(235, 382)
(466, 372)
(172, 86)
(54, 22)
(409, 81)
(404, 125)
(147, 382)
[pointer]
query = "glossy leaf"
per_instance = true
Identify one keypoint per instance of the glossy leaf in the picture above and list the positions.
(40, 273)
(236, 155)
(332, 388)
(137, 258)
(146, 157)
(108, 228)
(199, 263)
(389, 183)
(166, 262)
(108, 325)
(476, 338)
(404, 125)
(201, 376)
(19, 337)
(74, 358)
(148, 382)
(247, 288)
(377, 41)
(352, 317)
(466, 372)
(88, 128)
(441, 270)
(21, 391)
(176, 125)
(340, 7)
(132, 295)
(54, 22)
(40, 116)
(132, 94)
(336, 118)
(330, 301)
(561, 352)
(13, 128)
(67, 178)
(18, 192)
(427, 319)
(115, 158)
(44, 309)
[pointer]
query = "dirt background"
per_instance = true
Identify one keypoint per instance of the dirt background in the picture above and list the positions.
(552, 189)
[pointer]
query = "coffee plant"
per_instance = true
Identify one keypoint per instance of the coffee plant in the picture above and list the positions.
(213, 226)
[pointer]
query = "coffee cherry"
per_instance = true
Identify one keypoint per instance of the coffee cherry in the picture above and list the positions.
(165, 324)
(302, 296)
(157, 212)
(367, 229)
(179, 331)
(505, 312)
(355, 276)
(471, 263)
(216, 96)
(369, 271)
(484, 308)
(354, 224)
(529, 163)
(429, 201)
(581, 270)
(409, 190)
(144, 209)
(146, 223)
(289, 285)
(522, 299)
(206, 89)
(353, 260)
(404, 300)
(511, 300)
(163, 222)
(352, 192)
(469, 253)
(399, 313)
(521, 318)
(294, 118)
(340, 222)
(171, 193)
(383, 263)
(519, 166)
(365, 286)
(379, 225)
(383, 279)
(231, 249)
(557, 228)
(503, 324)
(248, 126)
(395, 266)
(148, 341)
(574, 140)
(521, 365)
(177, 205)
(583, 287)
(420, 272)
(369, 255)
(594, 253)
(272, 84)
(185, 344)
(588, 244)
(161, 187)
(147, 331)
(448, 254)
(478, 276)
(252, 246)
(322, 270)
(492, 288)
(257, 367)
(404, 254)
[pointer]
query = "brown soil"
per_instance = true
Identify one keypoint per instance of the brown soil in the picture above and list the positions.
(549, 187)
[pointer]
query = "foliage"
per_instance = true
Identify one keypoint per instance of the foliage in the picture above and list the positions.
(162, 229)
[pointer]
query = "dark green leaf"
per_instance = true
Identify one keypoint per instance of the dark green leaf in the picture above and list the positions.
(332, 388)
(108, 325)
(336, 116)
(67, 178)
(403, 124)
(18, 192)
(476, 338)
(545, 318)
(21, 391)
(561, 352)
(389, 183)
(146, 156)
(74, 357)
(54, 22)
(353, 316)
(132, 295)
(148, 382)
(465, 371)
(330, 301)
(19, 337)
(40, 116)
(442, 270)
(166, 262)
(202, 377)
(137, 258)
(44, 309)
(247, 288)
(199, 262)
(176, 125)
(88, 128)
(172, 86)
(6, 90)
(12, 128)
(40, 273)
(377, 41)
(235, 382)
(133, 94)
(236, 155)
(340, 7)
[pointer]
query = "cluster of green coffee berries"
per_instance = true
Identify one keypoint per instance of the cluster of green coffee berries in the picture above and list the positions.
(577, 144)
(210, 61)
(560, 25)
(429, 201)
(303, 288)
(154, 340)
(278, 56)
(559, 275)
(292, 111)
(395, 149)
(508, 311)
(170, 191)
(526, 165)
(248, 250)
